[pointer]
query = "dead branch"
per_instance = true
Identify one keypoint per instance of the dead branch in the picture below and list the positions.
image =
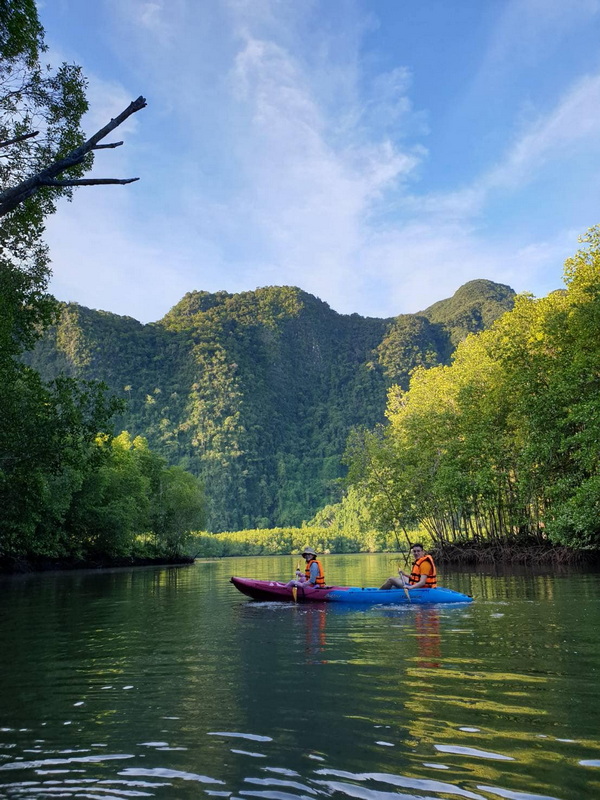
(107, 146)
(11, 198)
(88, 181)
(19, 138)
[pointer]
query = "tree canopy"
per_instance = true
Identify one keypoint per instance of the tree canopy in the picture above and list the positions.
(66, 487)
(502, 445)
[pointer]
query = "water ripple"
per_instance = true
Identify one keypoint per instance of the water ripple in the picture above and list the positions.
(471, 751)
(13, 765)
(162, 772)
(274, 795)
(363, 793)
(139, 784)
(425, 785)
(291, 773)
(515, 795)
(252, 736)
(275, 782)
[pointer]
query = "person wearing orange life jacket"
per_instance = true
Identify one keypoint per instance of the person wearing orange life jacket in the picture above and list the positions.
(313, 577)
(423, 574)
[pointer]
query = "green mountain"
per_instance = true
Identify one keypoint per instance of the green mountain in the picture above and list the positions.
(256, 392)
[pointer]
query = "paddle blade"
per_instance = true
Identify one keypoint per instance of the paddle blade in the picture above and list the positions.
(295, 594)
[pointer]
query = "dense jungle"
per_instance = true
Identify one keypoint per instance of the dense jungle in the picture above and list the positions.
(256, 393)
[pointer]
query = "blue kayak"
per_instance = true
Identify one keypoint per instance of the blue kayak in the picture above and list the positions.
(417, 597)
(276, 590)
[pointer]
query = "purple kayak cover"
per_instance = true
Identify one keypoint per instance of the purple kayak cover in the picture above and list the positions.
(276, 590)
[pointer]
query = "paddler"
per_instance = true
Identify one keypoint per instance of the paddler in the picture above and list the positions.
(423, 574)
(313, 577)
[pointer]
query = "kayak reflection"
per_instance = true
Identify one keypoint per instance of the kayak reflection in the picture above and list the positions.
(421, 623)
(315, 637)
(429, 640)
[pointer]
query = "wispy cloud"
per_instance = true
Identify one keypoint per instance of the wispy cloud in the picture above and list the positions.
(575, 121)
(572, 126)
(157, 19)
(310, 200)
(269, 155)
(527, 31)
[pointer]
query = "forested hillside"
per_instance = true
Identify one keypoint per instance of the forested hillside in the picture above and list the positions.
(256, 392)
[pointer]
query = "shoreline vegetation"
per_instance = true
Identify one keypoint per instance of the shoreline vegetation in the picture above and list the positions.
(15, 565)
(291, 541)
(512, 551)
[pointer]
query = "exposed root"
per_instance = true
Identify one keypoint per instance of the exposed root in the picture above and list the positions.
(513, 553)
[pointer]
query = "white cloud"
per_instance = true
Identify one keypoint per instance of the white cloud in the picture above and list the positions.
(157, 19)
(422, 262)
(445, 242)
(272, 170)
(574, 121)
(527, 30)
(310, 200)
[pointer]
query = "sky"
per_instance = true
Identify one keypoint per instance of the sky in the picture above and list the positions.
(375, 153)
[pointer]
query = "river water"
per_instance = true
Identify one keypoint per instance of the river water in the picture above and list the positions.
(168, 683)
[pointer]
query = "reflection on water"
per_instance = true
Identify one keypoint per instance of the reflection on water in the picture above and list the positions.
(316, 643)
(427, 631)
(168, 683)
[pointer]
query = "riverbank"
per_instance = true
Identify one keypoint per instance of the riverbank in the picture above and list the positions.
(15, 565)
(485, 554)
(290, 541)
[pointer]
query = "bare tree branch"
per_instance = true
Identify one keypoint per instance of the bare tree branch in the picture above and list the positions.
(11, 198)
(87, 181)
(19, 139)
(107, 146)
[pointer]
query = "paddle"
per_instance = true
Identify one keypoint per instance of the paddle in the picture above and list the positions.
(295, 588)
(406, 592)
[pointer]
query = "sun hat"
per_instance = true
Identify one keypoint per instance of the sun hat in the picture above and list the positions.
(308, 550)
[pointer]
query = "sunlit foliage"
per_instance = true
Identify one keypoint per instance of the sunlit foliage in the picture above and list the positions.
(283, 541)
(503, 444)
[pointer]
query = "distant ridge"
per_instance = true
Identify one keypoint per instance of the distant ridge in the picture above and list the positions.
(256, 392)
(473, 307)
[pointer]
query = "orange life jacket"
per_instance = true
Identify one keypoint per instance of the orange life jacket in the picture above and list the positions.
(415, 575)
(320, 577)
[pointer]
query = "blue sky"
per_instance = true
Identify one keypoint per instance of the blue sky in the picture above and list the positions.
(376, 153)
